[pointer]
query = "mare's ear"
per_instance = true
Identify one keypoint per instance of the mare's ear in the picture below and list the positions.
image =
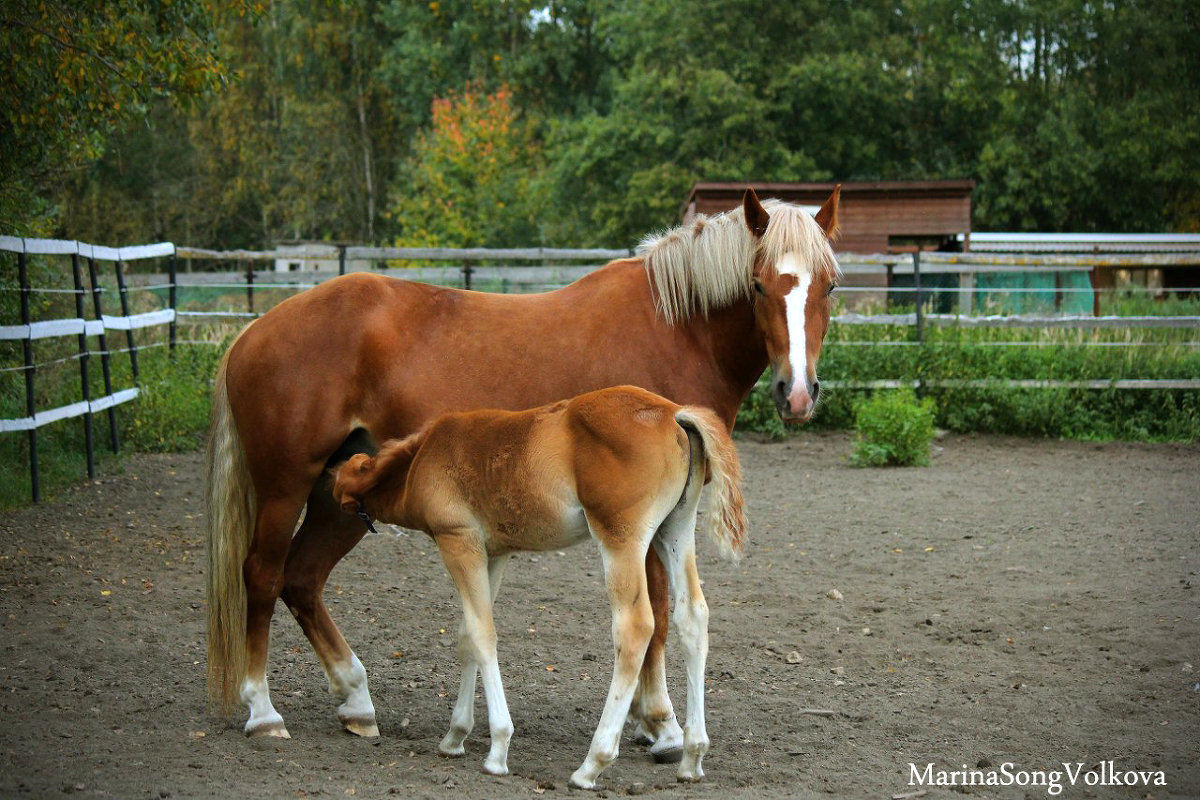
(351, 481)
(756, 216)
(827, 217)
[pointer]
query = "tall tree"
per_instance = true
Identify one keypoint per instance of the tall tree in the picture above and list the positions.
(74, 71)
(470, 179)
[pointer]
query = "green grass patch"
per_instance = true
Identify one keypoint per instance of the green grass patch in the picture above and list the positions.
(892, 428)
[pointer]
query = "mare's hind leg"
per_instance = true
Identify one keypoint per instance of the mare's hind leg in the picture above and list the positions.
(324, 538)
(632, 627)
(462, 719)
(656, 722)
(263, 576)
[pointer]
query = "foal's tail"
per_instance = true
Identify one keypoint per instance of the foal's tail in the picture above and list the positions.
(727, 507)
(230, 518)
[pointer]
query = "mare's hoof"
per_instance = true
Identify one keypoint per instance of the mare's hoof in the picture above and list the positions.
(365, 728)
(275, 729)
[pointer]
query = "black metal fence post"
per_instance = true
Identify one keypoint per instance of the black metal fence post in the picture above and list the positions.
(172, 300)
(250, 286)
(341, 259)
(84, 357)
(917, 291)
(30, 408)
(105, 362)
(467, 271)
(123, 292)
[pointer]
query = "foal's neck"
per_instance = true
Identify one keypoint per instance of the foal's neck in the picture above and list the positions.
(393, 463)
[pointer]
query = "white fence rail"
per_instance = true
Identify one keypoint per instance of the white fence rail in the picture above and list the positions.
(512, 269)
(29, 331)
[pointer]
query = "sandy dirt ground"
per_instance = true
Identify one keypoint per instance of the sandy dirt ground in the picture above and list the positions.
(1017, 606)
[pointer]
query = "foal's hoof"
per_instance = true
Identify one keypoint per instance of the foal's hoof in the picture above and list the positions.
(360, 726)
(581, 782)
(451, 749)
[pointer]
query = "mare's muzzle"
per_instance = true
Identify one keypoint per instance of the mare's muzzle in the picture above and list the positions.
(794, 400)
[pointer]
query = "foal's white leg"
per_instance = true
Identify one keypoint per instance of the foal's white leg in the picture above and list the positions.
(468, 568)
(632, 626)
(676, 545)
(462, 719)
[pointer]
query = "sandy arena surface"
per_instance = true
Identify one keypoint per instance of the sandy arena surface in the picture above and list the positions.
(1016, 606)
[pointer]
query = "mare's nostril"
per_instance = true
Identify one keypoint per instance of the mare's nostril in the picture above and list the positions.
(816, 392)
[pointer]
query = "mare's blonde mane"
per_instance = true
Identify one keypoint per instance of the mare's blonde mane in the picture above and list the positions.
(709, 263)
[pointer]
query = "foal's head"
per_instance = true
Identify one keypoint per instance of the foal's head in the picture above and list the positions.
(794, 275)
(375, 485)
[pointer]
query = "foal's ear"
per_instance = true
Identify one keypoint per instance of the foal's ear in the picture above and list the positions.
(350, 481)
(827, 217)
(756, 216)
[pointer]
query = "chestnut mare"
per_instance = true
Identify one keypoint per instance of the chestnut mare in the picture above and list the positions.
(363, 358)
(622, 465)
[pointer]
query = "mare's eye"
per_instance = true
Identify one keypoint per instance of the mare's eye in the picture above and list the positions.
(831, 289)
(758, 287)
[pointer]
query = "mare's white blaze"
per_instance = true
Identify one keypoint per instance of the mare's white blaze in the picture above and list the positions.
(795, 303)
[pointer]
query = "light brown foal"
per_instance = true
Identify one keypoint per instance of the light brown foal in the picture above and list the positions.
(622, 465)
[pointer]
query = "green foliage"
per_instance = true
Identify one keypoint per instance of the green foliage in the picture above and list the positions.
(73, 71)
(171, 413)
(856, 355)
(471, 177)
(892, 427)
(1073, 117)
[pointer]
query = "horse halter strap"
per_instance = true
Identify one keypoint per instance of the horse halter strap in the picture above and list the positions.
(362, 514)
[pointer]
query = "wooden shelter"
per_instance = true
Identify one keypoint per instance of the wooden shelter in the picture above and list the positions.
(875, 217)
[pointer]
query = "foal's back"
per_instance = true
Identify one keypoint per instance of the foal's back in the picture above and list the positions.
(535, 479)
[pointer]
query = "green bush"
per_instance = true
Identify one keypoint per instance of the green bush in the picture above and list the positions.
(892, 427)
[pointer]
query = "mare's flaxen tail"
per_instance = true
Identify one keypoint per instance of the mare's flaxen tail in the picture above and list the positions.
(230, 518)
(726, 510)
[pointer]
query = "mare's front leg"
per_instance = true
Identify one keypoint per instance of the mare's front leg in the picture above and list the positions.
(462, 720)
(463, 553)
(324, 538)
(632, 627)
